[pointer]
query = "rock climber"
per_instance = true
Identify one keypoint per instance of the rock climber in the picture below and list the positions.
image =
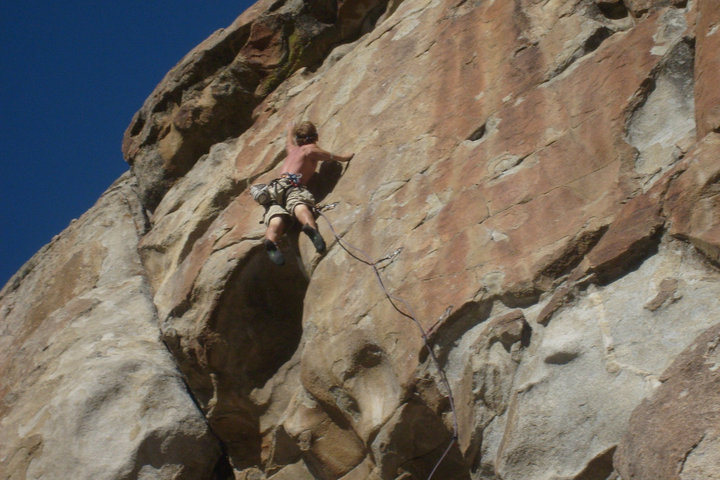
(289, 194)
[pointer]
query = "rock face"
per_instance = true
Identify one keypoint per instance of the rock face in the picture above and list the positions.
(674, 433)
(537, 186)
(88, 390)
(211, 94)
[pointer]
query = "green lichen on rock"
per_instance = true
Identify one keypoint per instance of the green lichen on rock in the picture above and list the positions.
(303, 51)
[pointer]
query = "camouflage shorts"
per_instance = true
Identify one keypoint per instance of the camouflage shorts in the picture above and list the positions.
(285, 197)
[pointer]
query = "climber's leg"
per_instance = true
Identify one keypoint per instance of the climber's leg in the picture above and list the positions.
(305, 216)
(275, 228)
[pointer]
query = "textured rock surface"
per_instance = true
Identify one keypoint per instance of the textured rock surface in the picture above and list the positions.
(88, 389)
(675, 433)
(708, 72)
(210, 95)
(541, 182)
(586, 372)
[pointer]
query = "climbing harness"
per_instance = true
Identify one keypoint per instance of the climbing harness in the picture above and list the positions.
(260, 192)
(293, 177)
(407, 312)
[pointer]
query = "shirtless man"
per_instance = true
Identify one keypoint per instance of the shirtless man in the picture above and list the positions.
(290, 197)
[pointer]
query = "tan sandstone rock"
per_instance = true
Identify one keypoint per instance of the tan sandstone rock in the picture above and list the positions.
(513, 167)
(210, 95)
(693, 203)
(88, 388)
(707, 98)
(674, 433)
(534, 184)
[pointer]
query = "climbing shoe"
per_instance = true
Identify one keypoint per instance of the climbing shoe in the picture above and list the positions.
(274, 253)
(316, 238)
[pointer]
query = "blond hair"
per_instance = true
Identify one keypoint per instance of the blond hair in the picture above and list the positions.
(306, 133)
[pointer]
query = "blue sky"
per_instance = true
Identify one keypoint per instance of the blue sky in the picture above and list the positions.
(73, 75)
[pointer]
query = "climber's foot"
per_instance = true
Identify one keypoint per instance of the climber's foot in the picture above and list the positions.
(274, 252)
(316, 238)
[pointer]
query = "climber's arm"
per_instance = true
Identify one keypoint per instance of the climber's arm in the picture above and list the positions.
(290, 138)
(325, 156)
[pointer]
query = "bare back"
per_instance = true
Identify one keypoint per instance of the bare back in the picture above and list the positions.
(303, 160)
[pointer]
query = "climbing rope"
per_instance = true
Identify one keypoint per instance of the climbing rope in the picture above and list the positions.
(363, 257)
